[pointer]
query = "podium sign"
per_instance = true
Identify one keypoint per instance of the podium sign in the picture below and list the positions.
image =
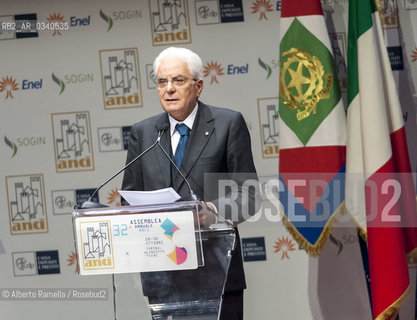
(160, 257)
(125, 243)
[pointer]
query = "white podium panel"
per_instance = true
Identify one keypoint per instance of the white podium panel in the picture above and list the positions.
(159, 241)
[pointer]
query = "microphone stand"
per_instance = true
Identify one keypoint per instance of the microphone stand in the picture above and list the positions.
(92, 204)
(192, 196)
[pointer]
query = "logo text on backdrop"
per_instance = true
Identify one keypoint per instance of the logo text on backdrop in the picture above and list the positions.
(268, 122)
(72, 141)
(120, 77)
(27, 205)
(169, 22)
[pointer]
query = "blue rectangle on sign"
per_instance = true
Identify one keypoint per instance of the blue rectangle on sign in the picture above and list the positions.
(395, 55)
(126, 135)
(254, 249)
(82, 195)
(48, 262)
(26, 25)
(231, 10)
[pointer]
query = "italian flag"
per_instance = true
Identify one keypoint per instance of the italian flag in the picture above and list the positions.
(312, 126)
(379, 192)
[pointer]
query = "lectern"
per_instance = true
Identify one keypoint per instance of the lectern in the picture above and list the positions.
(163, 263)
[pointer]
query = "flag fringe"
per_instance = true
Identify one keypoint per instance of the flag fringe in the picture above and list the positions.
(313, 250)
(362, 231)
(412, 256)
(391, 312)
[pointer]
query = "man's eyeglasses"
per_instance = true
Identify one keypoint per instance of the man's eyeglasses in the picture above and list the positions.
(176, 81)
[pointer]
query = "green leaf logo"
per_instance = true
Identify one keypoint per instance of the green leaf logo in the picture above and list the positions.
(266, 67)
(107, 19)
(58, 82)
(12, 145)
(337, 243)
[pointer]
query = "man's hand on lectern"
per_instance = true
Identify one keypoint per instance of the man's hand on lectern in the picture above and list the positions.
(207, 215)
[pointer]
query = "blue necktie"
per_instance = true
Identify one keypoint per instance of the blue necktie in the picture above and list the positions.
(182, 144)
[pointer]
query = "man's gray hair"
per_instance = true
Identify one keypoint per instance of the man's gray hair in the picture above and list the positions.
(191, 58)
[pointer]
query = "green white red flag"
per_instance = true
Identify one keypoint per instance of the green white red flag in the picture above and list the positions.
(380, 193)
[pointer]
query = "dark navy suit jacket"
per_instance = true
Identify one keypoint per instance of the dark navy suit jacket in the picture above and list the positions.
(219, 143)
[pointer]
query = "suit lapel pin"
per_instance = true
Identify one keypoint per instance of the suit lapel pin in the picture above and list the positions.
(206, 133)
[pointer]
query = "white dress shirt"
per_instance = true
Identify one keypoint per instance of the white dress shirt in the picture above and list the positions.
(175, 135)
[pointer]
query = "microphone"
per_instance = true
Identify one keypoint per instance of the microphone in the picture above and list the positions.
(89, 204)
(192, 196)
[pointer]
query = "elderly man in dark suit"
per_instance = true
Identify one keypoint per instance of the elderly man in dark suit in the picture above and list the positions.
(200, 139)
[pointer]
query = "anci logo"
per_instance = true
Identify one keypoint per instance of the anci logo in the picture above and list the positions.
(97, 247)
(261, 7)
(121, 78)
(8, 85)
(32, 263)
(215, 69)
(72, 79)
(150, 76)
(63, 201)
(388, 12)
(268, 122)
(119, 15)
(113, 138)
(72, 141)
(218, 11)
(338, 43)
(24, 142)
(170, 22)
(26, 200)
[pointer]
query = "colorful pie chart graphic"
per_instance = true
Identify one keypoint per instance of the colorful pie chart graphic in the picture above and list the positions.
(178, 255)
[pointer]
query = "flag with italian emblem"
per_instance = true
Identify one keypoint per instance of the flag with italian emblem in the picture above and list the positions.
(312, 124)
